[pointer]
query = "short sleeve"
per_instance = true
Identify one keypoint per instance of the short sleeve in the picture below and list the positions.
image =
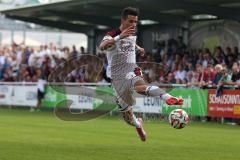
(107, 37)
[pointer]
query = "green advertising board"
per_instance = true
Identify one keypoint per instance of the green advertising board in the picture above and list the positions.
(100, 104)
(195, 101)
(52, 97)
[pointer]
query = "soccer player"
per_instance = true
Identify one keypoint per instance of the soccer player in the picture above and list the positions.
(121, 48)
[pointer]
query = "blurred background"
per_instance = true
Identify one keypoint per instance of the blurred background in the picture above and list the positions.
(192, 51)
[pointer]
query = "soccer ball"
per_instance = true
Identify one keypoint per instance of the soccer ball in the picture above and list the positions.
(178, 118)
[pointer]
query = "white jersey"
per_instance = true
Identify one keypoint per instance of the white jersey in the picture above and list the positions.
(40, 84)
(121, 57)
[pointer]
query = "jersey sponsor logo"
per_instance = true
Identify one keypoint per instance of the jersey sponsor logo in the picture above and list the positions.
(126, 46)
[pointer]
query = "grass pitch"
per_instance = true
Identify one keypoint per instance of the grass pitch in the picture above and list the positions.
(41, 136)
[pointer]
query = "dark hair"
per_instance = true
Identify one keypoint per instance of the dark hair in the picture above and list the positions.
(129, 11)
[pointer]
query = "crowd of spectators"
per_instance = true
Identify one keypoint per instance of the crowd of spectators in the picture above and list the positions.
(193, 67)
(173, 64)
(23, 63)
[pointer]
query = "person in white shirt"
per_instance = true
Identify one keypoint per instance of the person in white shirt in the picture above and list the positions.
(180, 75)
(40, 88)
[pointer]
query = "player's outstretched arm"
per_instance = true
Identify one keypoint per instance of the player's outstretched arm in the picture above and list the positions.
(105, 44)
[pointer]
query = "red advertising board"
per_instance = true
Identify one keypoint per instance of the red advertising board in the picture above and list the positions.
(226, 105)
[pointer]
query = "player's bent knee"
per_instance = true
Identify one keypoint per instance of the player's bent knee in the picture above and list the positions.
(140, 87)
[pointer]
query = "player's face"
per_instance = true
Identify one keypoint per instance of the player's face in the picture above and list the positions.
(130, 21)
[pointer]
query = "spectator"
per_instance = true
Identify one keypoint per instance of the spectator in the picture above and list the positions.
(180, 75)
(170, 79)
(218, 56)
(218, 74)
(229, 57)
(225, 80)
(192, 79)
(25, 56)
(8, 75)
(167, 61)
(231, 60)
(207, 59)
(19, 54)
(235, 74)
(74, 52)
(199, 57)
(82, 50)
(207, 76)
(226, 77)
(66, 53)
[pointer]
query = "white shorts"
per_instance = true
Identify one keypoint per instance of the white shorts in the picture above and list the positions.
(124, 89)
